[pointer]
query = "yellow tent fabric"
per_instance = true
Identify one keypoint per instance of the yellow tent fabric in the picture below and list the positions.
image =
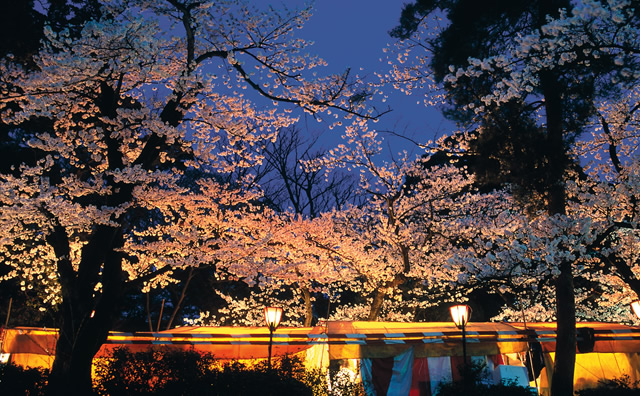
(616, 353)
(29, 347)
(429, 339)
(35, 347)
(616, 348)
(241, 342)
(592, 368)
(610, 337)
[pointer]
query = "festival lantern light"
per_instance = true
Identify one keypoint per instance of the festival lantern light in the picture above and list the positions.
(272, 317)
(635, 307)
(460, 315)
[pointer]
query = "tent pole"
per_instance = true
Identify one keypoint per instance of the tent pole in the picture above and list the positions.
(524, 321)
(160, 317)
(6, 322)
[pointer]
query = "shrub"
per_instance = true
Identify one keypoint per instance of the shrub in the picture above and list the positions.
(475, 385)
(237, 379)
(335, 382)
(614, 387)
(152, 372)
(168, 372)
(16, 380)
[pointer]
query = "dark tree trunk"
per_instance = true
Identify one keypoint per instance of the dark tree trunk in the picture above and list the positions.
(381, 292)
(563, 368)
(75, 349)
(565, 358)
(86, 319)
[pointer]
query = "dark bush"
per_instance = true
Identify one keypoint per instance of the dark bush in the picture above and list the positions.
(153, 372)
(16, 380)
(169, 372)
(615, 387)
(503, 389)
(237, 379)
(474, 385)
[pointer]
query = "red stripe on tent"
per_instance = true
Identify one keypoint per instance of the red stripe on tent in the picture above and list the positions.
(496, 359)
(420, 381)
(457, 363)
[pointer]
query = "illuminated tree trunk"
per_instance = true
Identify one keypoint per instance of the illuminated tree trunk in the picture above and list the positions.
(380, 294)
(376, 305)
(308, 307)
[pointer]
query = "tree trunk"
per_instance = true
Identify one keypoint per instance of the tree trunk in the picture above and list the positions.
(75, 349)
(563, 368)
(564, 364)
(376, 305)
(178, 305)
(86, 316)
(308, 307)
(381, 292)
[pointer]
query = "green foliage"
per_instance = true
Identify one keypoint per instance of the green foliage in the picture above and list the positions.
(16, 380)
(163, 372)
(474, 384)
(237, 379)
(153, 372)
(335, 382)
(615, 387)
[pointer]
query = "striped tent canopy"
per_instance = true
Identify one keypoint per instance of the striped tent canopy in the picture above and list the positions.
(344, 340)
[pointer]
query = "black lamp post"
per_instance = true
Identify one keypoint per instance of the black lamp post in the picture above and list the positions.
(460, 315)
(272, 316)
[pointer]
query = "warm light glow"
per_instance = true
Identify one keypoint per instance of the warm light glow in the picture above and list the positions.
(635, 306)
(460, 315)
(272, 316)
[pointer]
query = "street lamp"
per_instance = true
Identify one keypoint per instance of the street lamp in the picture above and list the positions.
(272, 316)
(460, 315)
(635, 306)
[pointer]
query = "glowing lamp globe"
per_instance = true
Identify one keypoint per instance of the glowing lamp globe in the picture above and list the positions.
(272, 317)
(460, 315)
(635, 306)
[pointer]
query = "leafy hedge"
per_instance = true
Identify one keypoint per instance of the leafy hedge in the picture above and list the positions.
(15, 380)
(475, 384)
(161, 372)
(169, 372)
(622, 386)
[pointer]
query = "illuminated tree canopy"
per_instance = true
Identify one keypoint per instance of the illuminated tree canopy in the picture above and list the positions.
(160, 136)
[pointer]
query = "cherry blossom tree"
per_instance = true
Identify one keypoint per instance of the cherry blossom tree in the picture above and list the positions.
(599, 232)
(295, 189)
(418, 214)
(547, 63)
(142, 98)
(388, 257)
(608, 196)
(21, 33)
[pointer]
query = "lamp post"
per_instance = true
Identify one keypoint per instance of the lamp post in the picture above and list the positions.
(272, 316)
(460, 315)
(635, 307)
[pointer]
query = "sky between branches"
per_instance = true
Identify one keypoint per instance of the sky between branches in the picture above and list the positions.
(352, 34)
